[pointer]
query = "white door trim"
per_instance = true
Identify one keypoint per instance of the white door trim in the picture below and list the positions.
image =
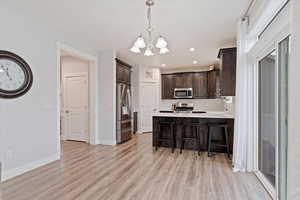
(93, 89)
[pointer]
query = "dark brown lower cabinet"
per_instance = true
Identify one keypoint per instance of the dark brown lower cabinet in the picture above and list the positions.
(189, 133)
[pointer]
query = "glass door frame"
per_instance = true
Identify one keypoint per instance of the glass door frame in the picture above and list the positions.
(264, 50)
(272, 190)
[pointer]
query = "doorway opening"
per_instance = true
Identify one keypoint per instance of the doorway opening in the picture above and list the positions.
(77, 95)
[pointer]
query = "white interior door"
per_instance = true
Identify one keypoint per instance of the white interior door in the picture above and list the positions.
(75, 104)
(149, 104)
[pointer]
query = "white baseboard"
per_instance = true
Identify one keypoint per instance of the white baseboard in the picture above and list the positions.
(142, 132)
(139, 132)
(9, 174)
(235, 169)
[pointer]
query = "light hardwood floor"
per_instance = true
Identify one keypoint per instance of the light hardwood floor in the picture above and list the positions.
(133, 171)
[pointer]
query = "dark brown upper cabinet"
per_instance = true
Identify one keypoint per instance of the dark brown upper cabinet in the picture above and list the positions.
(213, 84)
(196, 80)
(123, 72)
(200, 89)
(167, 86)
(227, 71)
(188, 80)
(183, 80)
(178, 81)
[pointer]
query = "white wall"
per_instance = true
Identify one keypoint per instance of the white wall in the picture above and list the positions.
(149, 74)
(135, 87)
(294, 108)
(30, 124)
(107, 94)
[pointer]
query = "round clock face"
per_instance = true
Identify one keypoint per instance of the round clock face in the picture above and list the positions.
(15, 75)
(12, 76)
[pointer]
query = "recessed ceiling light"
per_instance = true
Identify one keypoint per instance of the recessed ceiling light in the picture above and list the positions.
(195, 62)
(163, 65)
(192, 49)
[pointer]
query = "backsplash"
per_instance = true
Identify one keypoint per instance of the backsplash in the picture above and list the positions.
(199, 104)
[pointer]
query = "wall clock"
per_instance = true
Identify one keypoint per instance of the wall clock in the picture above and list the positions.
(15, 75)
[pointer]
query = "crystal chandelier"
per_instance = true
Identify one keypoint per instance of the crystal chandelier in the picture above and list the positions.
(148, 45)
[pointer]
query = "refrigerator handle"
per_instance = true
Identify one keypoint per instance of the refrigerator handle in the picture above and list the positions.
(129, 101)
(123, 90)
(120, 92)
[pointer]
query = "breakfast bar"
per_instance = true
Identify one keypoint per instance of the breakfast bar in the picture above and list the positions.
(203, 119)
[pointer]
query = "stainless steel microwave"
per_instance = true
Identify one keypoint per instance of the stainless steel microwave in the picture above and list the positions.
(183, 93)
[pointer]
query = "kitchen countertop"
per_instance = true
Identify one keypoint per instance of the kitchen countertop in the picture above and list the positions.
(209, 114)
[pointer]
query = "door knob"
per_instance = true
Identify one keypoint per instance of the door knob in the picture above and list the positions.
(67, 111)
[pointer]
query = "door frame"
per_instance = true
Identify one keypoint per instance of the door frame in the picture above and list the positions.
(93, 88)
(75, 74)
(273, 191)
(258, 52)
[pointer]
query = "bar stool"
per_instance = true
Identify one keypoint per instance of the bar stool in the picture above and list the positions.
(218, 143)
(171, 139)
(196, 139)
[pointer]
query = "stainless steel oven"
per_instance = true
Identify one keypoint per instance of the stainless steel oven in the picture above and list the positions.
(183, 93)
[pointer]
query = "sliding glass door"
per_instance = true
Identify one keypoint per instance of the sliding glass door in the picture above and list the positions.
(272, 119)
(267, 118)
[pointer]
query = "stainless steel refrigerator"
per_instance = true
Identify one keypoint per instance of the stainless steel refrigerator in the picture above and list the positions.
(124, 113)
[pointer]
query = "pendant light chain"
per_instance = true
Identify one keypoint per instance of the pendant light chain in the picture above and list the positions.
(140, 42)
(149, 29)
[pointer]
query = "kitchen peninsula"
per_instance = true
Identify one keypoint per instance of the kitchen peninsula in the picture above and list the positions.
(203, 118)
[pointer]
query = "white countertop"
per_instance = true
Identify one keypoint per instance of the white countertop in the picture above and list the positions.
(220, 115)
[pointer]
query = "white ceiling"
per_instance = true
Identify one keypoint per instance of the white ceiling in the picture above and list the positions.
(206, 25)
